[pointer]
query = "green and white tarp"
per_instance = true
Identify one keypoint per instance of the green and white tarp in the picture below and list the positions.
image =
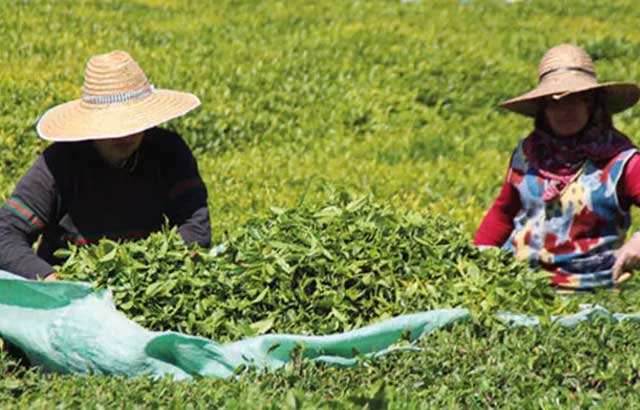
(68, 327)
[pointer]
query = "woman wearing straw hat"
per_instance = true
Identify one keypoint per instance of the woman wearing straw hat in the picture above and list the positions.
(564, 205)
(110, 173)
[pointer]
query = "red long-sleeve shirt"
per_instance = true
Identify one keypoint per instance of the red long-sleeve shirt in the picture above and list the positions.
(498, 222)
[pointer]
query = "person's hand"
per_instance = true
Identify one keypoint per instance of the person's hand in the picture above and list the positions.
(627, 259)
(51, 276)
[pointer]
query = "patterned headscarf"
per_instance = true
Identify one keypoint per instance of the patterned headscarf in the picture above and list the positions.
(559, 159)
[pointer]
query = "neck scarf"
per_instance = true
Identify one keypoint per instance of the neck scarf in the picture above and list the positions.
(559, 159)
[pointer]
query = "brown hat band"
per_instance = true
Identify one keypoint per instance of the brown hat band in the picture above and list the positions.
(555, 70)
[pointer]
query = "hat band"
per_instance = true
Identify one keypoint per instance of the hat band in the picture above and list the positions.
(117, 98)
(555, 70)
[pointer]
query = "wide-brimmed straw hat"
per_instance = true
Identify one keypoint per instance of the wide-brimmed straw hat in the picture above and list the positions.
(568, 69)
(117, 100)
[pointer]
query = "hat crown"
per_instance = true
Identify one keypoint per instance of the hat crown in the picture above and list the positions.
(566, 57)
(113, 73)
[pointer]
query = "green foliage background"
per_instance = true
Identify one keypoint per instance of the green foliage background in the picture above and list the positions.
(382, 98)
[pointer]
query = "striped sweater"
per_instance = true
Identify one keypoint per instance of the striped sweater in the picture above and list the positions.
(71, 194)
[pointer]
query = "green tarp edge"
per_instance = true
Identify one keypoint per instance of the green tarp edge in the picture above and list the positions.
(67, 327)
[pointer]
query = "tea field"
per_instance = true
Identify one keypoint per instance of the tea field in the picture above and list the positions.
(350, 149)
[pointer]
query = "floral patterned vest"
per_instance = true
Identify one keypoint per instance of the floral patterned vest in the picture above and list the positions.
(574, 235)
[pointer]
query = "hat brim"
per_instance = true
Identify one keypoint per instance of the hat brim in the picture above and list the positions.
(617, 97)
(81, 121)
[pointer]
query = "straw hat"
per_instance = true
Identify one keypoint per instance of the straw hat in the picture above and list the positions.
(568, 69)
(117, 100)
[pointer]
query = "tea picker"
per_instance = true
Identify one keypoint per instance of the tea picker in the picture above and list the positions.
(565, 203)
(111, 172)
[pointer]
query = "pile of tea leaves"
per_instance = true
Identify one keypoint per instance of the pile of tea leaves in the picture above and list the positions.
(312, 269)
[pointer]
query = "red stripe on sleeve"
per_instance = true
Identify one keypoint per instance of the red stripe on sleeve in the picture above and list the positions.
(29, 216)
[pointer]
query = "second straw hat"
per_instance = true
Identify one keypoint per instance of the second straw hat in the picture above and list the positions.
(567, 69)
(117, 100)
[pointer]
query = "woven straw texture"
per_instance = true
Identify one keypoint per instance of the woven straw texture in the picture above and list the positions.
(118, 100)
(568, 69)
